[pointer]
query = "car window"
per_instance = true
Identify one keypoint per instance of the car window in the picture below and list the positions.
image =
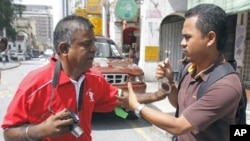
(115, 51)
(106, 48)
(102, 50)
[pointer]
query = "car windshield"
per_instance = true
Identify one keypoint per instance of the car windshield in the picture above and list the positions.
(106, 49)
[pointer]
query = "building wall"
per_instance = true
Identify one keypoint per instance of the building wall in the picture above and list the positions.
(19, 46)
(170, 39)
(152, 15)
(230, 6)
(246, 68)
(42, 15)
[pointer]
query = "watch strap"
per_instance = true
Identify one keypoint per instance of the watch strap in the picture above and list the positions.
(138, 110)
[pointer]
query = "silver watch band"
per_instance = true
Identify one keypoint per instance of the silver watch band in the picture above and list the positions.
(138, 110)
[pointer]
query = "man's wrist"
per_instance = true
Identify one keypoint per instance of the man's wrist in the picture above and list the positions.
(138, 110)
(27, 129)
(171, 80)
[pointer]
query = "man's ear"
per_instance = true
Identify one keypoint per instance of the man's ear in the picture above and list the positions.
(211, 36)
(63, 48)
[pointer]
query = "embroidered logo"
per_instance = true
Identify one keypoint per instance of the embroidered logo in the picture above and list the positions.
(91, 95)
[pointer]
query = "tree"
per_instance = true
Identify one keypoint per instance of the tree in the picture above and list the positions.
(8, 14)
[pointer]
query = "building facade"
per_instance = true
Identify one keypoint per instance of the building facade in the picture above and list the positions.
(161, 22)
(43, 18)
(156, 29)
(24, 42)
(34, 30)
(141, 31)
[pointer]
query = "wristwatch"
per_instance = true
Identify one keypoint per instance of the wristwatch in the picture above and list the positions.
(138, 110)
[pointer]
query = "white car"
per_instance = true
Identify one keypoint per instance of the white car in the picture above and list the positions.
(21, 57)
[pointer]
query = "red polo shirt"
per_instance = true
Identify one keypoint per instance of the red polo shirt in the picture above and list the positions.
(32, 98)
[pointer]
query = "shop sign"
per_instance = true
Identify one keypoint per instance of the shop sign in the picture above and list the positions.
(126, 9)
(97, 22)
(94, 7)
(81, 12)
(151, 53)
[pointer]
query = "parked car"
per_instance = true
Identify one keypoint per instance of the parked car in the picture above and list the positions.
(13, 55)
(27, 56)
(116, 69)
(21, 57)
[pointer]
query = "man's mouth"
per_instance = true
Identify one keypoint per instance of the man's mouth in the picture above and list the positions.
(90, 58)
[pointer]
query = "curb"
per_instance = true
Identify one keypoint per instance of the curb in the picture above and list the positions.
(14, 65)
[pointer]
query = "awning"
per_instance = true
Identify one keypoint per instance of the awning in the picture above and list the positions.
(230, 6)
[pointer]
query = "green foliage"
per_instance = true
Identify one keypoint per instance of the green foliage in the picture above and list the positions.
(11, 32)
(8, 13)
(19, 9)
(6, 16)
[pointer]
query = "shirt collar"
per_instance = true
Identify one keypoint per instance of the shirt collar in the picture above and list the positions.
(192, 68)
(79, 82)
(63, 78)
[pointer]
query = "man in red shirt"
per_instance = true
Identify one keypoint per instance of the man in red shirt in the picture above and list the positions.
(51, 100)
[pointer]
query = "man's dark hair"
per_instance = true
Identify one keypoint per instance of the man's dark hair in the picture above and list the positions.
(66, 28)
(210, 18)
(3, 44)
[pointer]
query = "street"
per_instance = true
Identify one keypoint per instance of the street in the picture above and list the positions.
(106, 127)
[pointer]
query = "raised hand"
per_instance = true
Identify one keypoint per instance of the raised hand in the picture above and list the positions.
(163, 69)
(129, 100)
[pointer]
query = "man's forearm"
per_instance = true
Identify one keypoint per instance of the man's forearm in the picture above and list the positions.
(22, 133)
(151, 97)
(159, 95)
(15, 133)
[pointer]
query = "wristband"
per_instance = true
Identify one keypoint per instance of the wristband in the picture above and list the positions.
(26, 133)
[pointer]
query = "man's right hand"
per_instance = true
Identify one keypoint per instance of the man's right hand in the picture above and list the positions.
(57, 124)
(163, 69)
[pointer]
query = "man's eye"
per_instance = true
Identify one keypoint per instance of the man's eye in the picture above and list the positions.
(186, 37)
(87, 44)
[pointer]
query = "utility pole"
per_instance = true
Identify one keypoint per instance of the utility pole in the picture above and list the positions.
(105, 8)
(4, 32)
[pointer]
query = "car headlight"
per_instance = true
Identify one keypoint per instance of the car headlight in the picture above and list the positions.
(137, 79)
